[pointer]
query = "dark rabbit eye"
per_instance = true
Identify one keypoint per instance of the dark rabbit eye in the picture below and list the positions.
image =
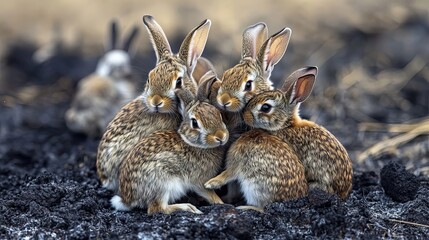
(179, 83)
(194, 123)
(248, 86)
(266, 108)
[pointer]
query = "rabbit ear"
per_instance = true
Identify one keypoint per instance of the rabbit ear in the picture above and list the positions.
(205, 85)
(185, 98)
(202, 67)
(193, 45)
(113, 35)
(273, 50)
(253, 38)
(157, 38)
(299, 84)
(129, 39)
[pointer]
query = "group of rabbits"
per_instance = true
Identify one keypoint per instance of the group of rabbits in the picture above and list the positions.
(188, 125)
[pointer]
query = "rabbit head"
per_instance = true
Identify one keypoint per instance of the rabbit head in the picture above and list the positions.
(202, 124)
(116, 62)
(274, 110)
(172, 71)
(252, 74)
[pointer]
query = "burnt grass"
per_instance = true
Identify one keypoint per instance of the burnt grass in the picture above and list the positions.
(49, 187)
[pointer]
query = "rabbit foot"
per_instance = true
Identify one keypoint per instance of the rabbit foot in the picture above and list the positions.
(182, 207)
(210, 196)
(168, 209)
(214, 183)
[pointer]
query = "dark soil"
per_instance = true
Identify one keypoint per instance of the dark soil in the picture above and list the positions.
(49, 187)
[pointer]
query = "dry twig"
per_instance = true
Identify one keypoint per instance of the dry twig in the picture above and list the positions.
(391, 144)
(409, 223)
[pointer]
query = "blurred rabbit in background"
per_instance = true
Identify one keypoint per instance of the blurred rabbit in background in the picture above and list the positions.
(102, 94)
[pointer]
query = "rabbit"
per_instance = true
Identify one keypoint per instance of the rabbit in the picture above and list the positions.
(326, 162)
(266, 167)
(163, 166)
(209, 85)
(101, 94)
(155, 109)
(252, 74)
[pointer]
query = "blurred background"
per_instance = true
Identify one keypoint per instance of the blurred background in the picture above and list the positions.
(372, 91)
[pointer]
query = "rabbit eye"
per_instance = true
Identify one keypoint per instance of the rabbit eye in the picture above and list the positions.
(179, 82)
(266, 108)
(248, 86)
(194, 123)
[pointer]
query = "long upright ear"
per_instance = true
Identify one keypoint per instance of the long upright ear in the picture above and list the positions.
(193, 45)
(273, 50)
(202, 66)
(185, 98)
(205, 85)
(253, 38)
(113, 38)
(299, 84)
(157, 38)
(129, 39)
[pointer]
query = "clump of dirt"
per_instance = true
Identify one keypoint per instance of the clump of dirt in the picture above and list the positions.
(398, 183)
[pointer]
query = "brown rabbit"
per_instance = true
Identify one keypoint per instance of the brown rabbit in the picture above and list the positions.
(252, 74)
(327, 164)
(266, 167)
(162, 167)
(101, 94)
(155, 109)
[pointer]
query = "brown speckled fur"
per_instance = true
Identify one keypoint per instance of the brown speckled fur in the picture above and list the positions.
(266, 167)
(131, 124)
(327, 164)
(160, 158)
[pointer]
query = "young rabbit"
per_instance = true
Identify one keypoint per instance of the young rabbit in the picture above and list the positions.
(326, 162)
(163, 166)
(101, 94)
(266, 167)
(252, 74)
(155, 109)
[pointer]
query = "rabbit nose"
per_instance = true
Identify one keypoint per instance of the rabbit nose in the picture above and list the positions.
(225, 100)
(157, 101)
(220, 136)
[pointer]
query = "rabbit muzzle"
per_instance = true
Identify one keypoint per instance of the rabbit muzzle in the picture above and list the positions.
(219, 138)
(229, 103)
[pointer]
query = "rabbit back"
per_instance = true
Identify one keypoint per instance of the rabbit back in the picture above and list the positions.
(267, 168)
(326, 161)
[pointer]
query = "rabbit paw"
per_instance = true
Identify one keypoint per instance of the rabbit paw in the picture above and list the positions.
(214, 183)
